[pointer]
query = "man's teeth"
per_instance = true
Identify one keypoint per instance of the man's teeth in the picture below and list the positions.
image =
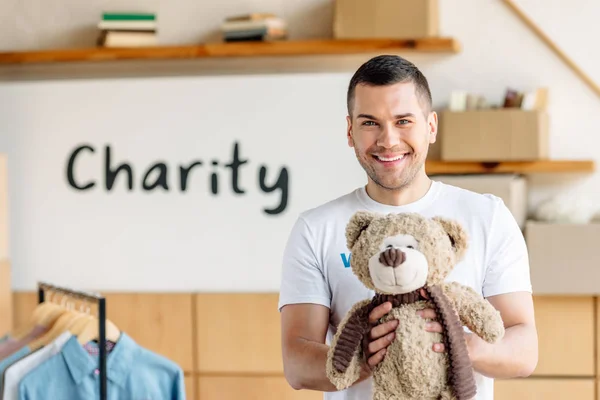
(391, 159)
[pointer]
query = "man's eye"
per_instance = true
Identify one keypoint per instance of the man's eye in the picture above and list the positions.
(370, 123)
(403, 121)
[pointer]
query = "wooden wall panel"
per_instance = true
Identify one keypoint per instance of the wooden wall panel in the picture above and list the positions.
(238, 333)
(544, 389)
(190, 386)
(6, 298)
(23, 305)
(4, 210)
(229, 344)
(566, 329)
(597, 342)
(6, 306)
(159, 322)
(251, 388)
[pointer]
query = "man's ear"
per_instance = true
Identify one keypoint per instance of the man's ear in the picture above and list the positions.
(357, 224)
(432, 121)
(457, 234)
(349, 131)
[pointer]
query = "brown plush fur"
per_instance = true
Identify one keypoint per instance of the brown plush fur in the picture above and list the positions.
(411, 369)
(479, 316)
(353, 371)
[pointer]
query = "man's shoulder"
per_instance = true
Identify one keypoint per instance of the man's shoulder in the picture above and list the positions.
(469, 201)
(332, 210)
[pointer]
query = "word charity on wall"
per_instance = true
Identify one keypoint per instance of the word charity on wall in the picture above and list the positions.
(155, 176)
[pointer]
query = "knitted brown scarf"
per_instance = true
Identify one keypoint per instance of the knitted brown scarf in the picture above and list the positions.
(460, 372)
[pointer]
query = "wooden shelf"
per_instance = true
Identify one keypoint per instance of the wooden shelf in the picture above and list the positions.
(236, 49)
(434, 167)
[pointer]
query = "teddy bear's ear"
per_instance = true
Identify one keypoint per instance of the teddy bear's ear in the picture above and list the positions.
(357, 224)
(456, 233)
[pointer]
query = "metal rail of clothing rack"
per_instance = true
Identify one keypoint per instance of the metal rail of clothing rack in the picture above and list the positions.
(89, 297)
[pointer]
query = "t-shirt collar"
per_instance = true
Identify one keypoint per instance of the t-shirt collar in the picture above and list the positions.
(415, 206)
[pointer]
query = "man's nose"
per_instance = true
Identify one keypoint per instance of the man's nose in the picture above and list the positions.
(392, 257)
(388, 137)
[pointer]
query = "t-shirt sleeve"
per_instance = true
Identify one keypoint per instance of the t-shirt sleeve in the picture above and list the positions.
(302, 277)
(508, 261)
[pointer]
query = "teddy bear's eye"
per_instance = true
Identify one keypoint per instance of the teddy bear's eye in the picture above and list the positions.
(410, 247)
(389, 246)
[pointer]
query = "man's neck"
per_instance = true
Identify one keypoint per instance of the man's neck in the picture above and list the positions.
(409, 194)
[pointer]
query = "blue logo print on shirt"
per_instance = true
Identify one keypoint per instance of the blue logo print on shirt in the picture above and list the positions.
(346, 259)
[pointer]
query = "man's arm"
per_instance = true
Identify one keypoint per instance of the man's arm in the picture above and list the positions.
(303, 334)
(516, 354)
(304, 328)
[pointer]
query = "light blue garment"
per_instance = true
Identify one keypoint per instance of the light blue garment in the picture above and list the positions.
(8, 361)
(133, 373)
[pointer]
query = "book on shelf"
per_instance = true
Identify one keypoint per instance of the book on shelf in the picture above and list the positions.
(127, 29)
(254, 27)
(536, 99)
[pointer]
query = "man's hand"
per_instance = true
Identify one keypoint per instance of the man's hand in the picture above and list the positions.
(379, 337)
(433, 326)
(516, 354)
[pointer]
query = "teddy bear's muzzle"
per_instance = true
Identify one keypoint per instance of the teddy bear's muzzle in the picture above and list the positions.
(392, 257)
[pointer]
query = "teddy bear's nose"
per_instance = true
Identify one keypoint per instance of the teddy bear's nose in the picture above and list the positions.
(392, 257)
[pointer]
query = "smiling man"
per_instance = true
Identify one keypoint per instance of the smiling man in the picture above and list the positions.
(391, 125)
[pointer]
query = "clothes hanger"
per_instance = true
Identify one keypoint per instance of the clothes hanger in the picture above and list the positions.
(78, 326)
(62, 324)
(45, 314)
(90, 331)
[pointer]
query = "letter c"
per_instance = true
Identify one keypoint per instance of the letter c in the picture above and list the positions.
(70, 176)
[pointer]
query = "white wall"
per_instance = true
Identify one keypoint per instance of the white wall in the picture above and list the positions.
(188, 241)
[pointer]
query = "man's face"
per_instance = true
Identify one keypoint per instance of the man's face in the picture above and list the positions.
(390, 132)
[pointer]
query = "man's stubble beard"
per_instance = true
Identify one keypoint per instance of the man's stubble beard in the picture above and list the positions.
(406, 177)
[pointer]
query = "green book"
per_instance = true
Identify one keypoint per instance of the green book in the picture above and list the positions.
(112, 16)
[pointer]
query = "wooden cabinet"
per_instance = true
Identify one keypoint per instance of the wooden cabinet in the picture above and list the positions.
(229, 345)
(251, 388)
(160, 322)
(4, 205)
(6, 300)
(544, 389)
(238, 334)
(6, 297)
(566, 332)
(190, 387)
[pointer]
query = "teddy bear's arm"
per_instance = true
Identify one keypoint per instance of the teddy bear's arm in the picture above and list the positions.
(345, 353)
(475, 312)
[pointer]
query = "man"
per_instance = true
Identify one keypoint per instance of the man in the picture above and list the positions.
(390, 126)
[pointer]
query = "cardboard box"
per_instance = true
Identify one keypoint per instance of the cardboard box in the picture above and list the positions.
(512, 189)
(3, 207)
(385, 19)
(564, 258)
(494, 135)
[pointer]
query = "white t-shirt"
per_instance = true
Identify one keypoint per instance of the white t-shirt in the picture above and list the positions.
(316, 258)
(18, 370)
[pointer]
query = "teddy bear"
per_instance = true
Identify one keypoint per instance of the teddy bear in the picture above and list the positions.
(405, 259)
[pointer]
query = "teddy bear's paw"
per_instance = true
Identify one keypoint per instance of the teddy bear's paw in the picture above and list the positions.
(447, 395)
(494, 333)
(342, 380)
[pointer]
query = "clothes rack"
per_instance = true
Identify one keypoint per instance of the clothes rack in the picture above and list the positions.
(101, 302)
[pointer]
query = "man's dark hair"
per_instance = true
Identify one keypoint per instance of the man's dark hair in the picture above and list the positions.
(388, 70)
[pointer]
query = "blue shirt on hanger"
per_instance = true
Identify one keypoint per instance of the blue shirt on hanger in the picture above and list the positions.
(133, 372)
